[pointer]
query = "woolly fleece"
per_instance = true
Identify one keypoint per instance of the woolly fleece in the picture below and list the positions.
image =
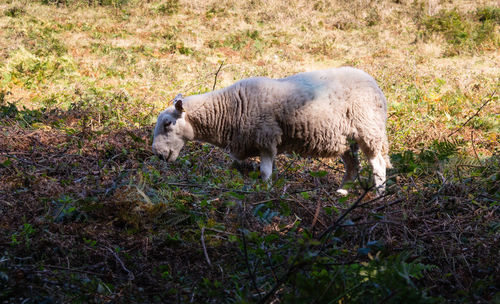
(317, 114)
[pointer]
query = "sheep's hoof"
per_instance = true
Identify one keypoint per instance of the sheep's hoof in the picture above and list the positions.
(342, 192)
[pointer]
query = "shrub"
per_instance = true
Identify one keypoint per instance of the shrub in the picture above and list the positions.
(486, 14)
(464, 34)
(25, 117)
(27, 69)
(304, 270)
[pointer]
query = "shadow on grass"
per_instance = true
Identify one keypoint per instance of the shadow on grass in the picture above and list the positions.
(90, 215)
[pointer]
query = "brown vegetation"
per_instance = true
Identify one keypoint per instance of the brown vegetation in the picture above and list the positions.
(87, 214)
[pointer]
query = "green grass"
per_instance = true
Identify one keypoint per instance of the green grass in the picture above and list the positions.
(466, 34)
(88, 214)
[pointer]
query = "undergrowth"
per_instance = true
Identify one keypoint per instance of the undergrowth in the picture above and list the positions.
(466, 34)
(88, 214)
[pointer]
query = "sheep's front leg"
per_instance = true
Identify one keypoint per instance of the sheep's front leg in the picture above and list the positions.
(266, 165)
(378, 165)
(351, 166)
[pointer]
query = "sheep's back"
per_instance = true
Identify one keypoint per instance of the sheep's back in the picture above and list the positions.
(327, 109)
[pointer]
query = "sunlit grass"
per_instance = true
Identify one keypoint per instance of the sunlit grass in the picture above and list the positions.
(82, 82)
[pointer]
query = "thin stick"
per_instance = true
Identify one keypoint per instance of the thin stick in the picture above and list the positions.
(387, 205)
(206, 187)
(316, 214)
(216, 74)
(250, 272)
(329, 230)
(475, 114)
(290, 163)
(205, 247)
(307, 209)
(373, 200)
(474, 147)
(293, 269)
(296, 266)
(74, 270)
(130, 274)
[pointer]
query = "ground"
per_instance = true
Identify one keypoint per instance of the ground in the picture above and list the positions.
(88, 214)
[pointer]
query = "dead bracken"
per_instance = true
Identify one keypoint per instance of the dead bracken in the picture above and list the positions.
(88, 214)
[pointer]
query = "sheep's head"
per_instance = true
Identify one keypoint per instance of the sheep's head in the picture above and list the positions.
(171, 131)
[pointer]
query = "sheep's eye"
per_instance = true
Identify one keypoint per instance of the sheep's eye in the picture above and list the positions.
(167, 124)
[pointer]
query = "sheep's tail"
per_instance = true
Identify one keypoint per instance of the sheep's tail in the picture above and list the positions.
(385, 152)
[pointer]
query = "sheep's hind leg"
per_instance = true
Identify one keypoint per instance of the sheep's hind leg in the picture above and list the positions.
(351, 166)
(266, 165)
(378, 166)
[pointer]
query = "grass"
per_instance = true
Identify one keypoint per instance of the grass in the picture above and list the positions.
(466, 34)
(88, 214)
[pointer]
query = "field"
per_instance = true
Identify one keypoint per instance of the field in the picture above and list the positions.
(89, 215)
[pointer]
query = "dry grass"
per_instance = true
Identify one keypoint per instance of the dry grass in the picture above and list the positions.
(84, 204)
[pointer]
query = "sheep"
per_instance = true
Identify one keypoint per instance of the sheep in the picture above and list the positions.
(324, 113)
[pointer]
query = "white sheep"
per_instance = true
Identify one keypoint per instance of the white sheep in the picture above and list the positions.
(320, 114)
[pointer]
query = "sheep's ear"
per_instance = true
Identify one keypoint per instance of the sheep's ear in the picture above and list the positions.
(178, 103)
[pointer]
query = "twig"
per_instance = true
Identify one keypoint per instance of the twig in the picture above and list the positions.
(265, 201)
(250, 272)
(329, 230)
(205, 247)
(392, 294)
(296, 266)
(316, 214)
(268, 255)
(130, 274)
(73, 270)
(350, 290)
(220, 231)
(307, 209)
(320, 296)
(474, 147)
(388, 205)
(370, 223)
(328, 166)
(373, 200)
(193, 84)
(216, 74)
(290, 163)
(291, 271)
(206, 187)
(475, 114)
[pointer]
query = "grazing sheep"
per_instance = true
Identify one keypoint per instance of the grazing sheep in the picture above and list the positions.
(321, 114)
